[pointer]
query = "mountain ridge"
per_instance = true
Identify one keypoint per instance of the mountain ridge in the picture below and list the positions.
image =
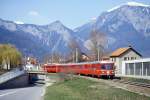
(42, 36)
(129, 24)
(124, 26)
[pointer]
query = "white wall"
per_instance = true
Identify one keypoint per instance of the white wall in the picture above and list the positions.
(129, 54)
(145, 76)
(118, 60)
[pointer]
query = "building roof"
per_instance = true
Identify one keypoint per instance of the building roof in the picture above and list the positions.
(122, 51)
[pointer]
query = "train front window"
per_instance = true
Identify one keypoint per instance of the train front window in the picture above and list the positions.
(106, 67)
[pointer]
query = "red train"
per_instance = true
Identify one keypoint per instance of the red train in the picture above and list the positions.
(99, 69)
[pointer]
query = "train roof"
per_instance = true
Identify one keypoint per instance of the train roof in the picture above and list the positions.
(95, 62)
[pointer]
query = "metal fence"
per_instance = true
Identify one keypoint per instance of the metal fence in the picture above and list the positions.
(11, 74)
(30, 67)
(137, 68)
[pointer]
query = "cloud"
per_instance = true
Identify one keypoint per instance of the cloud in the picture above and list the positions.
(33, 13)
(18, 22)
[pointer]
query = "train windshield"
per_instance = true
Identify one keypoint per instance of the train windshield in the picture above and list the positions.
(107, 67)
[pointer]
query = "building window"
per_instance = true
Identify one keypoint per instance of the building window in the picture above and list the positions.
(125, 58)
(114, 59)
(132, 58)
(128, 58)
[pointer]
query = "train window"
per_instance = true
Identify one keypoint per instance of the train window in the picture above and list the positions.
(106, 67)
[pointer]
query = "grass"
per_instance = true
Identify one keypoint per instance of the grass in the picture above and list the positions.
(83, 89)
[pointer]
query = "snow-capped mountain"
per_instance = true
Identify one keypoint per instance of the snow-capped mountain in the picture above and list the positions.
(36, 40)
(126, 24)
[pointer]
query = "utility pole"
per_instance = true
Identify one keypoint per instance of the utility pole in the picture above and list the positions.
(25, 60)
(76, 55)
(73, 56)
(52, 58)
(98, 54)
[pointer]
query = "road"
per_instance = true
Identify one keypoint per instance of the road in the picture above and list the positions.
(27, 93)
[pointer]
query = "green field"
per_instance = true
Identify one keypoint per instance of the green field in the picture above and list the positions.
(83, 89)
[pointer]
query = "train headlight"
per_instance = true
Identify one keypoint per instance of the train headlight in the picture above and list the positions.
(107, 72)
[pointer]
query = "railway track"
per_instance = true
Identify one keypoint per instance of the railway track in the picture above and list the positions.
(138, 87)
(140, 84)
(133, 83)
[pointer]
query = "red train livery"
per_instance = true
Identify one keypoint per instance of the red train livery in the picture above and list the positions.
(99, 68)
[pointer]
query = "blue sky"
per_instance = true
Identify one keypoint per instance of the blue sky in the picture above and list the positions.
(72, 13)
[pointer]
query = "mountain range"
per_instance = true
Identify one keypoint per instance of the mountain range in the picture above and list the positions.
(124, 25)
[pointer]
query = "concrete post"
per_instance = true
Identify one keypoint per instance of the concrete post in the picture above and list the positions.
(134, 68)
(129, 70)
(76, 55)
(142, 68)
(146, 71)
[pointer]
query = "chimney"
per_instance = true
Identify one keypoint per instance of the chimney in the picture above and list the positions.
(130, 46)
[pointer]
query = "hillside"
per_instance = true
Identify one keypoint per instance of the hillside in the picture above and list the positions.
(124, 25)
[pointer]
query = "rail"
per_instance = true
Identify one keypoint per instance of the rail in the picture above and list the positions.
(133, 83)
(11, 74)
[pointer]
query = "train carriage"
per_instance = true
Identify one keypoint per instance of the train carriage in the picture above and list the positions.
(99, 68)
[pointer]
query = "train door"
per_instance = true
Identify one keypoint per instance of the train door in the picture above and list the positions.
(97, 70)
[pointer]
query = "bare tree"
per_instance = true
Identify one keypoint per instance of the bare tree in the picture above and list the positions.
(98, 42)
(75, 51)
(46, 58)
(54, 57)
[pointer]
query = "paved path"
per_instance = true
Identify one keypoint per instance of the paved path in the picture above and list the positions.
(27, 93)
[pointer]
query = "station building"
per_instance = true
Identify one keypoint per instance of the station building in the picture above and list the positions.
(123, 54)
